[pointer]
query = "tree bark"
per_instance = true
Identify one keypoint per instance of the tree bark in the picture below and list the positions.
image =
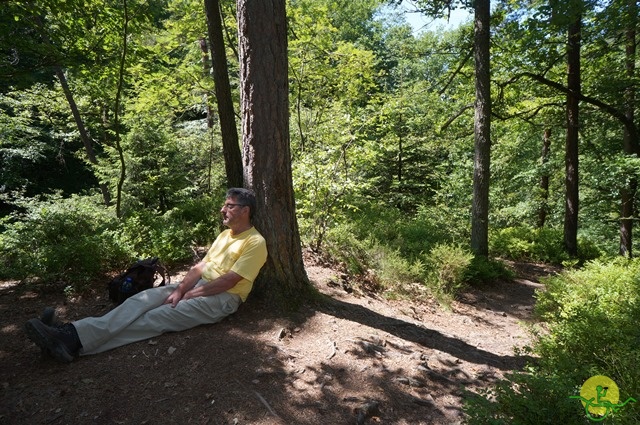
(544, 178)
(266, 148)
(627, 210)
(482, 131)
(230, 144)
(206, 67)
(571, 146)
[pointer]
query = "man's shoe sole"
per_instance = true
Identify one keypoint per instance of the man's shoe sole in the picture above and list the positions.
(40, 335)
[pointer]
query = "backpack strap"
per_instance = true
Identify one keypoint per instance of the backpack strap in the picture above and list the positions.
(155, 264)
(160, 269)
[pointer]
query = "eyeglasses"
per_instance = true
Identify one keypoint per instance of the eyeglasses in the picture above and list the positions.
(231, 206)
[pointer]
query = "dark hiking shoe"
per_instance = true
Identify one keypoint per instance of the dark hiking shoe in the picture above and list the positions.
(60, 342)
(48, 316)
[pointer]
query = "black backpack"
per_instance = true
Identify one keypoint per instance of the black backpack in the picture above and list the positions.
(137, 278)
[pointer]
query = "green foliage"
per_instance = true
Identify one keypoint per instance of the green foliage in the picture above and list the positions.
(406, 254)
(448, 267)
(35, 135)
(595, 307)
(525, 399)
(484, 270)
(397, 271)
(542, 244)
(59, 239)
(346, 247)
(591, 315)
(78, 241)
(523, 243)
(172, 235)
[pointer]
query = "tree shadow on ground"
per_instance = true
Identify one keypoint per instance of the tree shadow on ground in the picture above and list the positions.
(421, 335)
(244, 370)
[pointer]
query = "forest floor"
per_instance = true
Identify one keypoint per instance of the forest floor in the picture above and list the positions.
(355, 359)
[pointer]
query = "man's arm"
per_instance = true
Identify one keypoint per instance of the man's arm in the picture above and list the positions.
(186, 289)
(189, 281)
(216, 286)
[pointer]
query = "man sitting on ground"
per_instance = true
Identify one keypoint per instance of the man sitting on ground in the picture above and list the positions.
(211, 290)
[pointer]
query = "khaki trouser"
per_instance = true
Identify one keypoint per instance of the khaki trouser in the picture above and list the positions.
(145, 316)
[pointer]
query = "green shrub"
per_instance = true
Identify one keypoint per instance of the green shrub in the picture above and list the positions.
(484, 270)
(588, 249)
(77, 240)
(343, 244)
(448, 266)
(392, 246)
(410, 235)
(592, 319)
(443, 224)
(393, 269)
(59, 239)
(545, 245)
(170, 236)
(527, 244)
(593, 313)
(525, 399)
(368, 257)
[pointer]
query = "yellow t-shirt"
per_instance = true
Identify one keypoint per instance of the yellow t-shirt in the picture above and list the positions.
(244, 254)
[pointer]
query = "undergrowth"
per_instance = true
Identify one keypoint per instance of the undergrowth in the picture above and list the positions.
(538, 245)
(591, 315)
(77, 240)
(408, 256)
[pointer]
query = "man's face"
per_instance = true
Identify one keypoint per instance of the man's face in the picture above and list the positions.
(233, 212)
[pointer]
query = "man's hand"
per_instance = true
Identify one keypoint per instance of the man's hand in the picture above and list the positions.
(216, 286)
(174, 298)
(186, 285)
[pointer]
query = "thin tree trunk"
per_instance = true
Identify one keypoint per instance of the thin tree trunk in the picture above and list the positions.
(266, 147)
(482, 131)
(544, 178)
(630, 143)
(206, 66)
(82, 130)
(230, 144)
(204, 48)
(400, 158)
(571, 148)
(123, 57)
(84, 135)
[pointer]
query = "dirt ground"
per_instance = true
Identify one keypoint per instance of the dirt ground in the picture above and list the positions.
(356, 359)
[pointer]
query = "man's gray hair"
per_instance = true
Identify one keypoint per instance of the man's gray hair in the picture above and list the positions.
(243, 196)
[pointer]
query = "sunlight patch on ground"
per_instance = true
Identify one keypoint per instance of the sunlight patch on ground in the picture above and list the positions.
(9, 284)
(9, 329)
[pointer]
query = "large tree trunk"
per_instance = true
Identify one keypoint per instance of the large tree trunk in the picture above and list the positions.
(571, 148)
(482, 132)
(230, 145)
(630, 143)
(544, 178)
(265, 135)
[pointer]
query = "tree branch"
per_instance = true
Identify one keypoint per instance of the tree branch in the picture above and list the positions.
(620, 116)
(454, 117)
